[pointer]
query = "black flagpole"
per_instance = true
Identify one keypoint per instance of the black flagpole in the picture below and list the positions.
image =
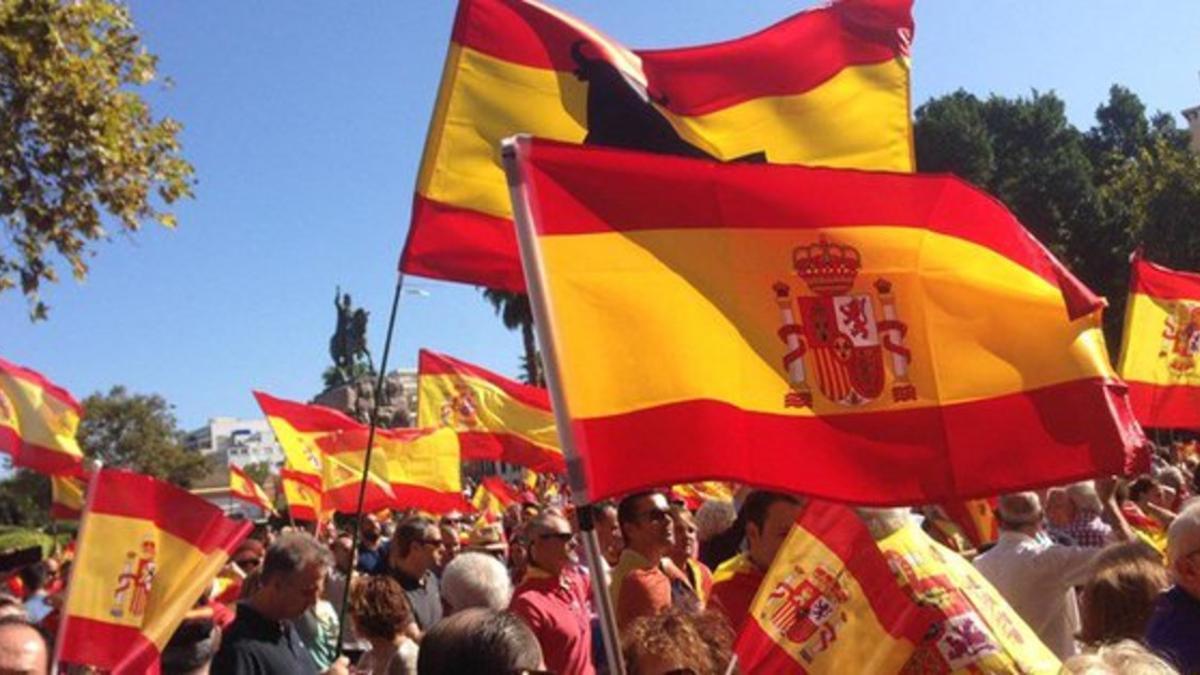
(362, 486)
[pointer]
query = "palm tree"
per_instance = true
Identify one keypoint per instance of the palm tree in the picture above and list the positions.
(515, 312)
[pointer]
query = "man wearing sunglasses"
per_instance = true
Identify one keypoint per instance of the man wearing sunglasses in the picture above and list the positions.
(415, 552)
(646, 582)
(553, 597)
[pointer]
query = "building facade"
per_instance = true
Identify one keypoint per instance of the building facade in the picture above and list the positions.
(1192, 115)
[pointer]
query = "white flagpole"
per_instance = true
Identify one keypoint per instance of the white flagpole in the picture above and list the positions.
(83, 522)
(512, 149)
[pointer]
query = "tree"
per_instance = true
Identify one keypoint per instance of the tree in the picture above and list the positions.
(138, 432)
(515, 312)
(258, 472)
(79, 147)
(25, 499)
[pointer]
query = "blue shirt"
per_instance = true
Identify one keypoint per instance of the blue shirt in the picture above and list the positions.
(373, 561)
(1174, 628)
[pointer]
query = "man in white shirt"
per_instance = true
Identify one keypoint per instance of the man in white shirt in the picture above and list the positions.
(1035, 575)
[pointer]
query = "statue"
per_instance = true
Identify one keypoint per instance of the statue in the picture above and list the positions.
(348, 345)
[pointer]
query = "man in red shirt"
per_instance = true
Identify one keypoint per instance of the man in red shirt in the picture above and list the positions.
(768, 517)
(645, 581)
(553, 597)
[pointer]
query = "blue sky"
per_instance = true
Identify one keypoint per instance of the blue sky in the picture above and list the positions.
(305, 121)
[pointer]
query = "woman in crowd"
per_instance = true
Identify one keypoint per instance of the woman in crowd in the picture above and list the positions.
(382, 616)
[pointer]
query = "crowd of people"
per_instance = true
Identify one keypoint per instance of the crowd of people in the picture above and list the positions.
(1106, 573)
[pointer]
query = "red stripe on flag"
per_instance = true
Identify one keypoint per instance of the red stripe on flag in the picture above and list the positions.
(487, 446)
(1163, 283)
(106, 645)
(171, 509)
(1165, 406)
(424, 499)
(458, 244)
(38, 458)
(574, 189)
(1053, 433)
(703, 78)
(301, 512)
(38, 380)
(432, 363)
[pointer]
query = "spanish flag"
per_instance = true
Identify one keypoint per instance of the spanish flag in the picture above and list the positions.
(323, 442)
(867, 337)
(147, 551)
(38, 422)
(243, 488)
(493, 496)
(423, 468)
(976, 631)
(976, 518)
(495, 417)
(304, 495)
(66, 497)
(826, 87)
(1160, 350)
(693, 495)
(830, 604)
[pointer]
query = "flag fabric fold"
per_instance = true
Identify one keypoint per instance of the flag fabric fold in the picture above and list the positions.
(976, 631)
(304, 495)
(830, 604)
(146, 551)
(243, 488)
(38, 422)
(496, 418)
(493, 496)
(828, 87)
(66, 497)
(1159, 345)
(846, 334)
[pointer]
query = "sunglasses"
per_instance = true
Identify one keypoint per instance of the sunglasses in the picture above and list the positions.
(655, 515)
(561, 536)
(432, 542)
(248, 562)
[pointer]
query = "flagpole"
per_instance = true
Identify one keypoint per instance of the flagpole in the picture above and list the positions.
(523, 217)
(362, 485)
(79, 540)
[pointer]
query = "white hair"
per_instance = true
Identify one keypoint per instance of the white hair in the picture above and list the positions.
(714, 517)
(1019, 508)
(1170, 476)
(476, 580)
(1127, 657)
(1183, 536)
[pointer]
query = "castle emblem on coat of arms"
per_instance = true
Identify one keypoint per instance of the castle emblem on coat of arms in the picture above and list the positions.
(838, 337)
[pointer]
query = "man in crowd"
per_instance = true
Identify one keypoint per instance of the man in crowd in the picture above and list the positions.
(414, 553)
(475, 579)
(263, 639)
(1087, 528)
(553, 598)
(1060, 513)
(768, 517)
(22, 648)
(479, 641)
(372, 547)
(608, 536)
(645, 582)
(1174, 627)
(1037, 577)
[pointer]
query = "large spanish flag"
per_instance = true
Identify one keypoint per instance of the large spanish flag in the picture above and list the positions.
(146, 552)
(1160, 349)
(825, 87)
(830, 604)
(38, 422)
(423, 467)
(243, 488)
(496, 418)
(869, 337)
(976, 631)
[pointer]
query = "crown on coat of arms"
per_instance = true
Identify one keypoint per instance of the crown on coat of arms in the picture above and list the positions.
(827, 268)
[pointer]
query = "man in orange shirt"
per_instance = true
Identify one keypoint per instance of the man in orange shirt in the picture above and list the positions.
(768, 517)
(645, 582)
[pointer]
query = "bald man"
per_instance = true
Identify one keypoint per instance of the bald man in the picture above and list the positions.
(22, 648)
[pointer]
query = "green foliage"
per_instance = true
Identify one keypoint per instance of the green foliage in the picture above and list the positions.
(79, 147)
(258, 472)
(1091, 197)
(138, 432)
(25, 500)
(516, 313)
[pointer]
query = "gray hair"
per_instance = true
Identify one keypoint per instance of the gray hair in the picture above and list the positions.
(1019, 509)
(714, 517)
(1083, 496)
(1183, 536)
(1127, 656)
(292, 552)
(1171, 476)
(476, 580)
